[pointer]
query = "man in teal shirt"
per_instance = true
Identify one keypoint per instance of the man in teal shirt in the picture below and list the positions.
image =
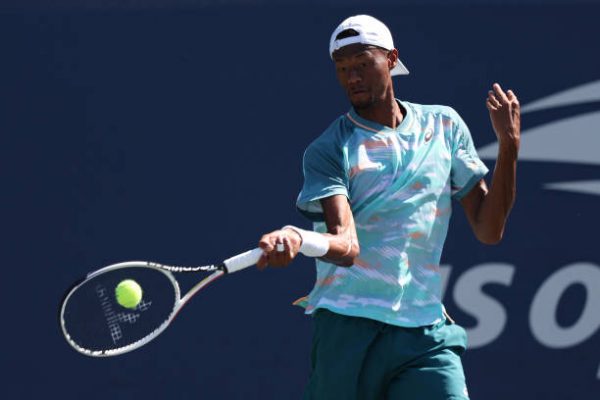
(378, 185)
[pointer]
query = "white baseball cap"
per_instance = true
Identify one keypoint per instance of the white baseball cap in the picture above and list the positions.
(370, 31)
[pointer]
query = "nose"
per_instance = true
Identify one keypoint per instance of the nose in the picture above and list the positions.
(353, 76)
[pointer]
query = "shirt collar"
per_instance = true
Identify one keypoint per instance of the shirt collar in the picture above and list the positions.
(377, 127)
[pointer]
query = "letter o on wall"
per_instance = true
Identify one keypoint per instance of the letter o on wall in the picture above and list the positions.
(542, 316)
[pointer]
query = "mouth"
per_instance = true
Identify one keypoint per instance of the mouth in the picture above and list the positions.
(354, 92)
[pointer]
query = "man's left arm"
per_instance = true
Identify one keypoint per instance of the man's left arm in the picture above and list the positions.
(487, 209)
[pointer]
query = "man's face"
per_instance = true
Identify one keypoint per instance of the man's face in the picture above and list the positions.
(364, 73)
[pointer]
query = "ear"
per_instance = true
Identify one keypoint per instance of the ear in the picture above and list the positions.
(392, 56)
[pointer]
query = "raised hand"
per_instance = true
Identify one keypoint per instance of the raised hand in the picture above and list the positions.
(505, 114)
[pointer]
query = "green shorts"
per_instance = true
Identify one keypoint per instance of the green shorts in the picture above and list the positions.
(362, 359)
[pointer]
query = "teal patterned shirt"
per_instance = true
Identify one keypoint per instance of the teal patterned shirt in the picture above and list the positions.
(399, 183)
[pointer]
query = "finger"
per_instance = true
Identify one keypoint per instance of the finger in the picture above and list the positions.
(279, 246)
(274, 240)
(500, 93)
(493, 100)
(273, 257)
(276, 259)
(266, 246)
(284, 257)
(512, 97)
(262, 262)
(266, 243)
(288, 247)
(489, 105)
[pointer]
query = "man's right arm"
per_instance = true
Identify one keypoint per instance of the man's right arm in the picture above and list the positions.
(341, 232)
(341, 237)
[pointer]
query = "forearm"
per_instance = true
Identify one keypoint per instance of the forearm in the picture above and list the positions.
(497, 203)
(339, 246)
(343, 245)
(341, 232)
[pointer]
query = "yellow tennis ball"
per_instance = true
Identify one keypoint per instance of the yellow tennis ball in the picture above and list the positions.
(128, 293)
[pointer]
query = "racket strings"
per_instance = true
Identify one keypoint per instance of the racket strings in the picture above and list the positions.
(96, 324)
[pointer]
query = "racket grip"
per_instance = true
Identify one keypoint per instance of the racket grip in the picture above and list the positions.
(243, 260)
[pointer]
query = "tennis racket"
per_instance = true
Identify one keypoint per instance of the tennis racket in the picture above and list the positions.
(96, 325)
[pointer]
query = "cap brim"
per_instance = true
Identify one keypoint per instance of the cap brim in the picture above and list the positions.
(399, 69)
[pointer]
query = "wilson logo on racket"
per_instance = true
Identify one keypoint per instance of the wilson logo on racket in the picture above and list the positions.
(114, 318)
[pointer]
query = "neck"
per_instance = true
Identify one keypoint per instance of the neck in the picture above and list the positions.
(386, 111)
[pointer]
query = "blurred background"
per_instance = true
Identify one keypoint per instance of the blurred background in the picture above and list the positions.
(173, 131)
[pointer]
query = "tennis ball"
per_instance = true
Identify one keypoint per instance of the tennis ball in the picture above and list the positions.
(128, 293)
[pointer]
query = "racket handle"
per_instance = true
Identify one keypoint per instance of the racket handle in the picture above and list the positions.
(243, 260)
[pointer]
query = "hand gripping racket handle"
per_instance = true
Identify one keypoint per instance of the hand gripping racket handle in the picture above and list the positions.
(244, 260)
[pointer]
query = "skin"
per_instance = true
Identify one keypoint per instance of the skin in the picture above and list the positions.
(363, 72)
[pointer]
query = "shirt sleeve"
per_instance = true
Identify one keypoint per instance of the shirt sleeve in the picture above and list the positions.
(467, 168)
(324, 176)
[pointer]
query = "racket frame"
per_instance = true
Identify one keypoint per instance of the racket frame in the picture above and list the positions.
(230, 265)
(166, 270)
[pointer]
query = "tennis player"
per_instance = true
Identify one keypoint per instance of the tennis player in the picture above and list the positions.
(378, 187)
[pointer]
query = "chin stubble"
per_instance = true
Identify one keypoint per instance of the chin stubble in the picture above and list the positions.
(363, 105)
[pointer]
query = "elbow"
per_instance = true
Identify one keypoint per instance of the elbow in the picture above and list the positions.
(490, 241)
(490, 238)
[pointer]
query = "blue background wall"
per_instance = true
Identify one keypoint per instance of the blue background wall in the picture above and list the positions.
(174, 133)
